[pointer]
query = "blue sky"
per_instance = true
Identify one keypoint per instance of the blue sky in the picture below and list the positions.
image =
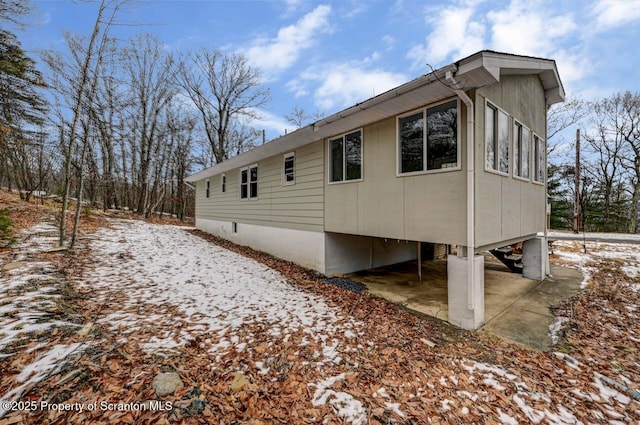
(326, 56)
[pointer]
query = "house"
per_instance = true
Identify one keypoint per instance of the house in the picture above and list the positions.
(455, 157)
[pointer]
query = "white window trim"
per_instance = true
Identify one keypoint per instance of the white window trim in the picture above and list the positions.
(509, 143)
(344, 162)
(524, 128)
(424, 141)
(223, 183)
(534, 176)
(248, 169)
(284, 176)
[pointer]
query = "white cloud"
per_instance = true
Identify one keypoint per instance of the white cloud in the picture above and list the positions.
(345, 84)
(612, 13)
(275, 55)
(571, 67)
(524, 28)
(453, 32)
(388, 41)
(275, 125)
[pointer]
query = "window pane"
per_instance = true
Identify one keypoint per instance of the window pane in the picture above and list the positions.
(490, 132)
(526, 152)
(207, 189)
(244, 177)
(337, 160)
(539, 159)
(503, 142)
(289, 163)
(442, 136)
(411, 134)
(288, 169)
(517, 142)
(224, 184)
(253, 186)
(353, 153)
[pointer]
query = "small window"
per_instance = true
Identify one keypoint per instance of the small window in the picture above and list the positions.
(224, 183)
(345, 157)
(521, 150)
(428, 140)
(208, 189)
(497, 139)
(539, 156)
(288, 169)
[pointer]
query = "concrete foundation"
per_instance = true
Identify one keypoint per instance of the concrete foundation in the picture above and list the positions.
(350, 253)
(303, 247)
(534, 258)
(465, 302)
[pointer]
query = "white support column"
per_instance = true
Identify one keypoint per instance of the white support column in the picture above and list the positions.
(534, 258)
(466, 303)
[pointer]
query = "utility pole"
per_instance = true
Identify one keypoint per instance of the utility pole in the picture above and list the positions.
(576, 197)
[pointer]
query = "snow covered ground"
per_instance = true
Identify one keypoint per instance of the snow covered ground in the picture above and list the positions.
(212, 292)
(169, 289)
(26, 292)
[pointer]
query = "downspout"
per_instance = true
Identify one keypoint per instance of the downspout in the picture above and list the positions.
(471, 240)
(547, 266)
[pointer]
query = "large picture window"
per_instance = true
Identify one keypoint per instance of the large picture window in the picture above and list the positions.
(249, 182)
(497, 139)
(521, 150)
(345, 157)
(428, 140)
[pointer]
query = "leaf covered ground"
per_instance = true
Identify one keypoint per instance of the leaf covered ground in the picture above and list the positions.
(258, 340)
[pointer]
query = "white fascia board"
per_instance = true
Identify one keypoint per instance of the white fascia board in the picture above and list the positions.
(495, 64)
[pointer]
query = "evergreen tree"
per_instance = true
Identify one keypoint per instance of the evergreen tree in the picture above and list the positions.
(559, 196)
(22, 108)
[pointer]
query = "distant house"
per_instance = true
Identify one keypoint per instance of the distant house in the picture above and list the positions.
(455, 157)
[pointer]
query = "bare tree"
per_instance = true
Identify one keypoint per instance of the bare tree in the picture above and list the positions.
(148, 69)
(77, 86)
(299, 117)
(604, 145)
(622, 112)
(226, 92)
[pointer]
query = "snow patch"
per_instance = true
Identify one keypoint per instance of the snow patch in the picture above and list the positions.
(343, 404)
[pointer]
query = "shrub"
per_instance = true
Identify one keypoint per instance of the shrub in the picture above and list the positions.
(6, 234)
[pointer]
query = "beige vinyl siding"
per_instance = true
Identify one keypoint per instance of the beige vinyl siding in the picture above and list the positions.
(295, 206)
(426, 207)
(508, 208)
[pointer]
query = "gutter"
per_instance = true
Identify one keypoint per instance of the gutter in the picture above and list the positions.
(321, 128)
(471, 242)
